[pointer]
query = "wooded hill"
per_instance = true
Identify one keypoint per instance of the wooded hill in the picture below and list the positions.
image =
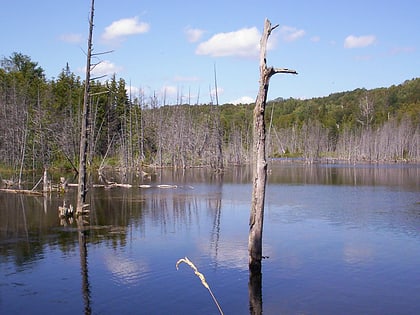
(40, 124)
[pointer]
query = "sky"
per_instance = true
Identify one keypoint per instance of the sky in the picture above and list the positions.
(175, 49)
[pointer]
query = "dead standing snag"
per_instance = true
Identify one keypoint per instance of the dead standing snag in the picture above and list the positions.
(259, 158)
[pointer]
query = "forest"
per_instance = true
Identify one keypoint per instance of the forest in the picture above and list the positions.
(40, 121)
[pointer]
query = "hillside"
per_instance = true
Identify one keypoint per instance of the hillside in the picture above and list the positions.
(40, 123)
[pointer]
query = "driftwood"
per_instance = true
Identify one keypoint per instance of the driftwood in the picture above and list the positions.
(8, 183)
(64, 211)
(22, 191)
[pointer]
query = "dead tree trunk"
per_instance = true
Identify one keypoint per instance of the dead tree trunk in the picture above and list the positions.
(259, 157)
(84, 133)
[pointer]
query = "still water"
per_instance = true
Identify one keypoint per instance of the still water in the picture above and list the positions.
(339, 240)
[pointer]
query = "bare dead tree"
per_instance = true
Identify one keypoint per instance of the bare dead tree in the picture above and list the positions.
(217, 130)
(84, 133)
(259, 156)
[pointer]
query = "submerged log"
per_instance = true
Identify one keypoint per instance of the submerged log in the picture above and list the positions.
(22, 191)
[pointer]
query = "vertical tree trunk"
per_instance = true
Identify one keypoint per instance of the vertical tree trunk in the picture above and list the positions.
(259, 157)
(84, 133)
(45, 187)
(218, 130)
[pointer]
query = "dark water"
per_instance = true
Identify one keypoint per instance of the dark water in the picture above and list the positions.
(340, 240)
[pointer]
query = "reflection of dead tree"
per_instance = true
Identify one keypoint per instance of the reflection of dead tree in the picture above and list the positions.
(255, 294)
(215, 205)
(84, 263)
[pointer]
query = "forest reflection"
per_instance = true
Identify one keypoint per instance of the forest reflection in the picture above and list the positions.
(197, 192)
(133, 232)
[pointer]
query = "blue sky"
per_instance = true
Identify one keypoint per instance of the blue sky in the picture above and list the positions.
(171, 47)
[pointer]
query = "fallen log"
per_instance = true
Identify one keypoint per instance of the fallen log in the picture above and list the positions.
(22, 191)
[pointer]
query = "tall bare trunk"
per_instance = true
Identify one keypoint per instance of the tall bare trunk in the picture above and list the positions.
(259, 156)
(84, 133)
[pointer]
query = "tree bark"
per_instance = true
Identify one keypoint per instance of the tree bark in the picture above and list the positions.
(84, 133)
(259, 156)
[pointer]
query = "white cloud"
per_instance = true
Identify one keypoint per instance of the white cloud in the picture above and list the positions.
(244, 43)
(359, 41)
(193, 34)
(220, 91)
(133, 91)
(104, 68)
(290, 34)
(169, 91)
(71, 38)
(243, 100)
(401, 50)
(186, 79)
(125, 27)
(315, 39)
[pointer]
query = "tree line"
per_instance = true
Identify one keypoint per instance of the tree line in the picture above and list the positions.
(40, 121)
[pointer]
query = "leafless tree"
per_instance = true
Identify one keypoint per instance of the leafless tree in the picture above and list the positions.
(84, 133)
(259, 156)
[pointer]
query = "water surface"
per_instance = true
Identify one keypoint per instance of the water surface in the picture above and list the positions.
(339, 239)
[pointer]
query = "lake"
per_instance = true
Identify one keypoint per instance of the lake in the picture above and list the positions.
(339, 239)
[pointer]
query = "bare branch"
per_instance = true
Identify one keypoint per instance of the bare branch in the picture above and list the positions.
(99, 93)
(98, 77)
(273, 71)
(103, 53)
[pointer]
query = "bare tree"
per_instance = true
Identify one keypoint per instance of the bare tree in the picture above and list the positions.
(84, 133)
(259, 156)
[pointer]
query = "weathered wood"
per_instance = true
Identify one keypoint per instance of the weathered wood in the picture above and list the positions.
(45, 186)
(84, 134)
(259, 156)
(22, 191)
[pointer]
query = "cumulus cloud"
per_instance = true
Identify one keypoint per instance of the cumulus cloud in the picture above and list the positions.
(169, 90)
(104, 68)
(352, 41)
(243, 43)
(193, 34)
(133, 91)
(125, 27)
(71, 38)
(290, 34)
(243, 100)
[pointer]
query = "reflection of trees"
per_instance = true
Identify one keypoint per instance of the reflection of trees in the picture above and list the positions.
(24, 226)
(172, 209)
(343, 174)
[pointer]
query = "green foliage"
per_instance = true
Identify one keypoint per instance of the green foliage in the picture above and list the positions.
(40, 122)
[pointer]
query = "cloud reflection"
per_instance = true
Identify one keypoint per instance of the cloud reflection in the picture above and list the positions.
(357, 254)
(125, 271)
